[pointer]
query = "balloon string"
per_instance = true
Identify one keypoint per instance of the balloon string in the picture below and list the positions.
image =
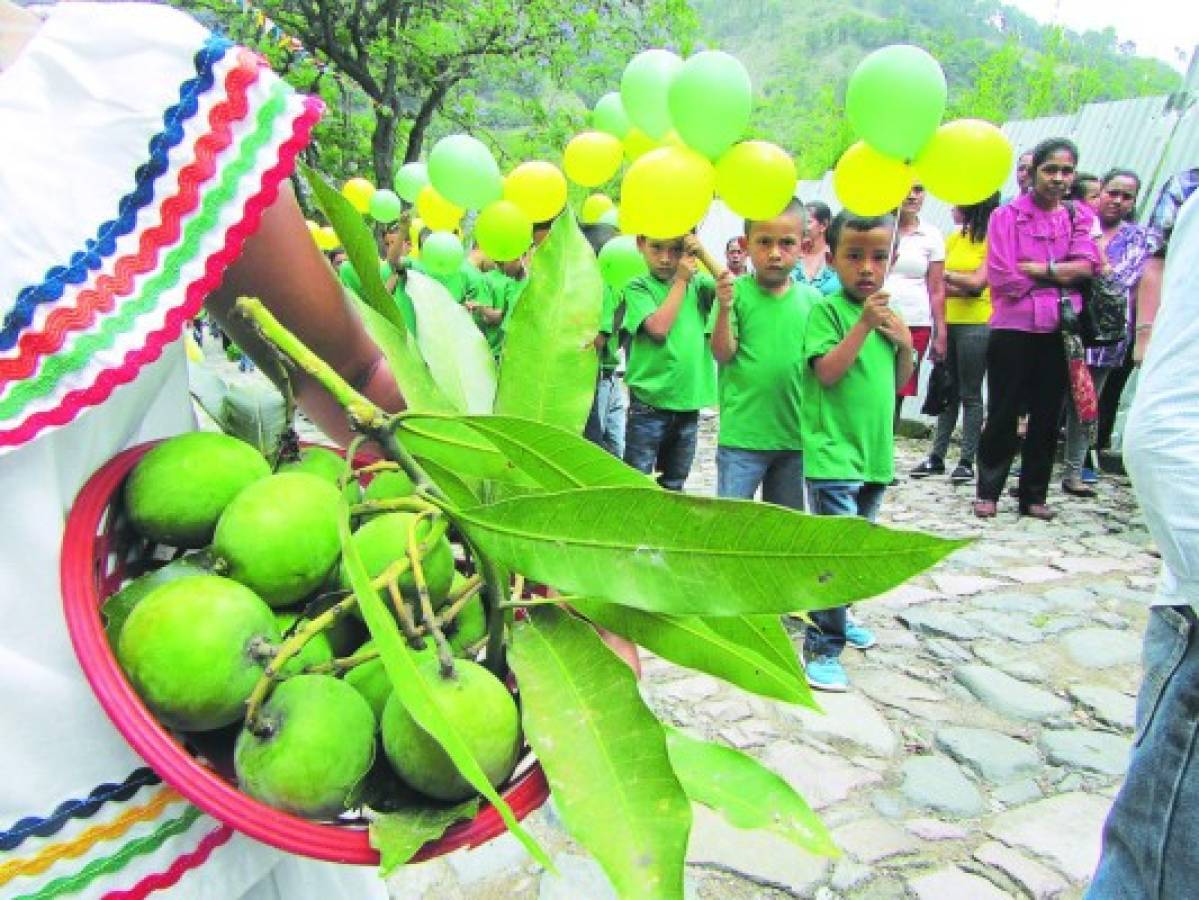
(891, 255)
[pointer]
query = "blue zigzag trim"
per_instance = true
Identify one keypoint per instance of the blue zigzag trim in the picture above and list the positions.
(104, 244)
(76, 809)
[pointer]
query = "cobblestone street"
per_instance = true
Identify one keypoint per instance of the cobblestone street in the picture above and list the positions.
(977, 752)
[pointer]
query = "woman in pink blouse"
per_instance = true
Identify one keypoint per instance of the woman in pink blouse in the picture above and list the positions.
(1036, 255)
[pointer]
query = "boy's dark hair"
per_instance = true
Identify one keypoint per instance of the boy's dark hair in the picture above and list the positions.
(854, 222)
(598, 234)
(1047, 147)
(1078, 190)
(820, 212)
(794, 207)
(976, 216)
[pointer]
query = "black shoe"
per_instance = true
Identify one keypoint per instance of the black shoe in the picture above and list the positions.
(931, 466)
(963, 474)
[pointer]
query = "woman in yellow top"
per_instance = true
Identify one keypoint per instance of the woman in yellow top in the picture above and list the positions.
(967, 312)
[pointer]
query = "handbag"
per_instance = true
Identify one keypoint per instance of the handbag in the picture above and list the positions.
(1103, 320)
(939, 391)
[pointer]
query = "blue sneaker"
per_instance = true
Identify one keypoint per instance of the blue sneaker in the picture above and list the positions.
(1089, 476)
(859, 636)
(825, 673)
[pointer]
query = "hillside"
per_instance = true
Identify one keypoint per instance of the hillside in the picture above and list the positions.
(999, 62)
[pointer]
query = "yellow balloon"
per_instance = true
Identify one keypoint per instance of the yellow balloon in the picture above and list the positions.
(539, 188)
(870, 184)
(591, 158)
(359, 192)
(594, 207)
(756, 179)
(438, 213)
(666, 192)
(637, 143)
(965, 161)
(326, 238)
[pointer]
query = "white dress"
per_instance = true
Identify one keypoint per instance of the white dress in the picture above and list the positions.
(135, 153)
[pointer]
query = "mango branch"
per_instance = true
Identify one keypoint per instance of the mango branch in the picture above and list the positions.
(403, 613)
(445, 654)
(392, 504)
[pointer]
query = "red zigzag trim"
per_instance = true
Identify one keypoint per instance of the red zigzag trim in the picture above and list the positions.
(182, 864)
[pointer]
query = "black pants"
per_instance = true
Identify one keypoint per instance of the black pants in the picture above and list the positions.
(1109, 401)
(1024, 371)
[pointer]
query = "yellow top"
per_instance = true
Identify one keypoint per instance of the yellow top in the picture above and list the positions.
(965, 255)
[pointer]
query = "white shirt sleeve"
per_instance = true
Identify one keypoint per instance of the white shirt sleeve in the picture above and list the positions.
(1161, 450)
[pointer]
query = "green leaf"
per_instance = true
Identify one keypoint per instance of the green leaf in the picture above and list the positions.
(208, 389)
(116, 609)
(458, 448)
(688, 641)
(745, 792)
(667, 552)
(359, 245)
(603, 752)
(256, 413)
(408, 682)
(399, 349)
(461, 490)
(552, 457)
(765, 635)
(453, 346)
(398, 835)
(549, 364)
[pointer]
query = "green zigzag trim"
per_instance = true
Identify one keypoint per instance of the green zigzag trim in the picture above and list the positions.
(59, 366)
(110, 864)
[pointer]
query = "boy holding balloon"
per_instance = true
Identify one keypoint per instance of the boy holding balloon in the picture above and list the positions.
(857, 352)
(670, 371)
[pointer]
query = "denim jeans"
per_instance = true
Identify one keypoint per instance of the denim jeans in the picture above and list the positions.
(740, 472)
(661, 440)
(606, 421)
(966, 357)
(1151, 837)
(1076, 435)
(826, 635)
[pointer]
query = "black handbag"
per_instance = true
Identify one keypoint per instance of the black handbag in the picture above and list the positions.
(1103, 320)
(939, 391)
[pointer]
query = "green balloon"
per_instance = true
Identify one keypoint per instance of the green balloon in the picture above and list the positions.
(385, 206)
(709, 100)
(442, 253)
(609, 115)
(895, 100)
(462, 170)
(611, 217)
(644, 88)
(411, 178)
(620, 261)
(503, 231)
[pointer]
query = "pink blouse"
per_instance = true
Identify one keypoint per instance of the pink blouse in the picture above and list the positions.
(1020, 231)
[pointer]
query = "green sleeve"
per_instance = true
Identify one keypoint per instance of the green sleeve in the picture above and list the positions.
(608, 311)
(348, 277)
(639, 304)
(824, 331)
(714, 311)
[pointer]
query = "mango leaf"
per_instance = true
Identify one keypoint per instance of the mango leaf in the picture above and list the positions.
(667, 552)
(116, 609)
(551, 456)
(208, 389)
(251, 411)
(745, 792)
(549, 364)
(360, 246)
(399, 349)
(458, 448)
(688, 641)
(408, 682)
(453, 346)
(462, 491)
(765, 635)
(398, 835)
(603, 752)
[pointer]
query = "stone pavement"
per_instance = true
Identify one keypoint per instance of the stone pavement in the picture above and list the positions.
(976, 754)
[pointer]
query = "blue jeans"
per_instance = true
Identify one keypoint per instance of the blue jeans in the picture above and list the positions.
(606, 421)
(826, 635)
(661, 440)
(778, 472)
(1151, 838)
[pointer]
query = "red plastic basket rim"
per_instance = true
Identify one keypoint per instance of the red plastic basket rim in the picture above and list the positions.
(167, 757)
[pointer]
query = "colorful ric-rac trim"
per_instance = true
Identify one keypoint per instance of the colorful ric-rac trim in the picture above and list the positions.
(160, 881)
(268, 118)
(75, 272)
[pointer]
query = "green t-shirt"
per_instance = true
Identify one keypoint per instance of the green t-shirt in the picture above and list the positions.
(848, 429)
(349, 277)
(761, 386)
(463, 285)
(496, 291)
(678, 374)
(609, 357)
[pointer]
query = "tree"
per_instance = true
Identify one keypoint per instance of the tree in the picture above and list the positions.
(403, 61)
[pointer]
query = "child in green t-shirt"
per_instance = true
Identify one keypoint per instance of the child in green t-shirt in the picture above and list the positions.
(496, 295)
(670, 371)
(857, 351)
(757, 338)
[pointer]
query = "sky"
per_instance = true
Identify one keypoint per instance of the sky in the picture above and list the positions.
(1158, 27)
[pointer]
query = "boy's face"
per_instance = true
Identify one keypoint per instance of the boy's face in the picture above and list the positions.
(861, 260)
(662, 257)
(774, 248)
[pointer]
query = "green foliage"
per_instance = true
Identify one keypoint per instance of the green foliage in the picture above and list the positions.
(254, 412)
(453, 346)
(603, 752)
(398, 835)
